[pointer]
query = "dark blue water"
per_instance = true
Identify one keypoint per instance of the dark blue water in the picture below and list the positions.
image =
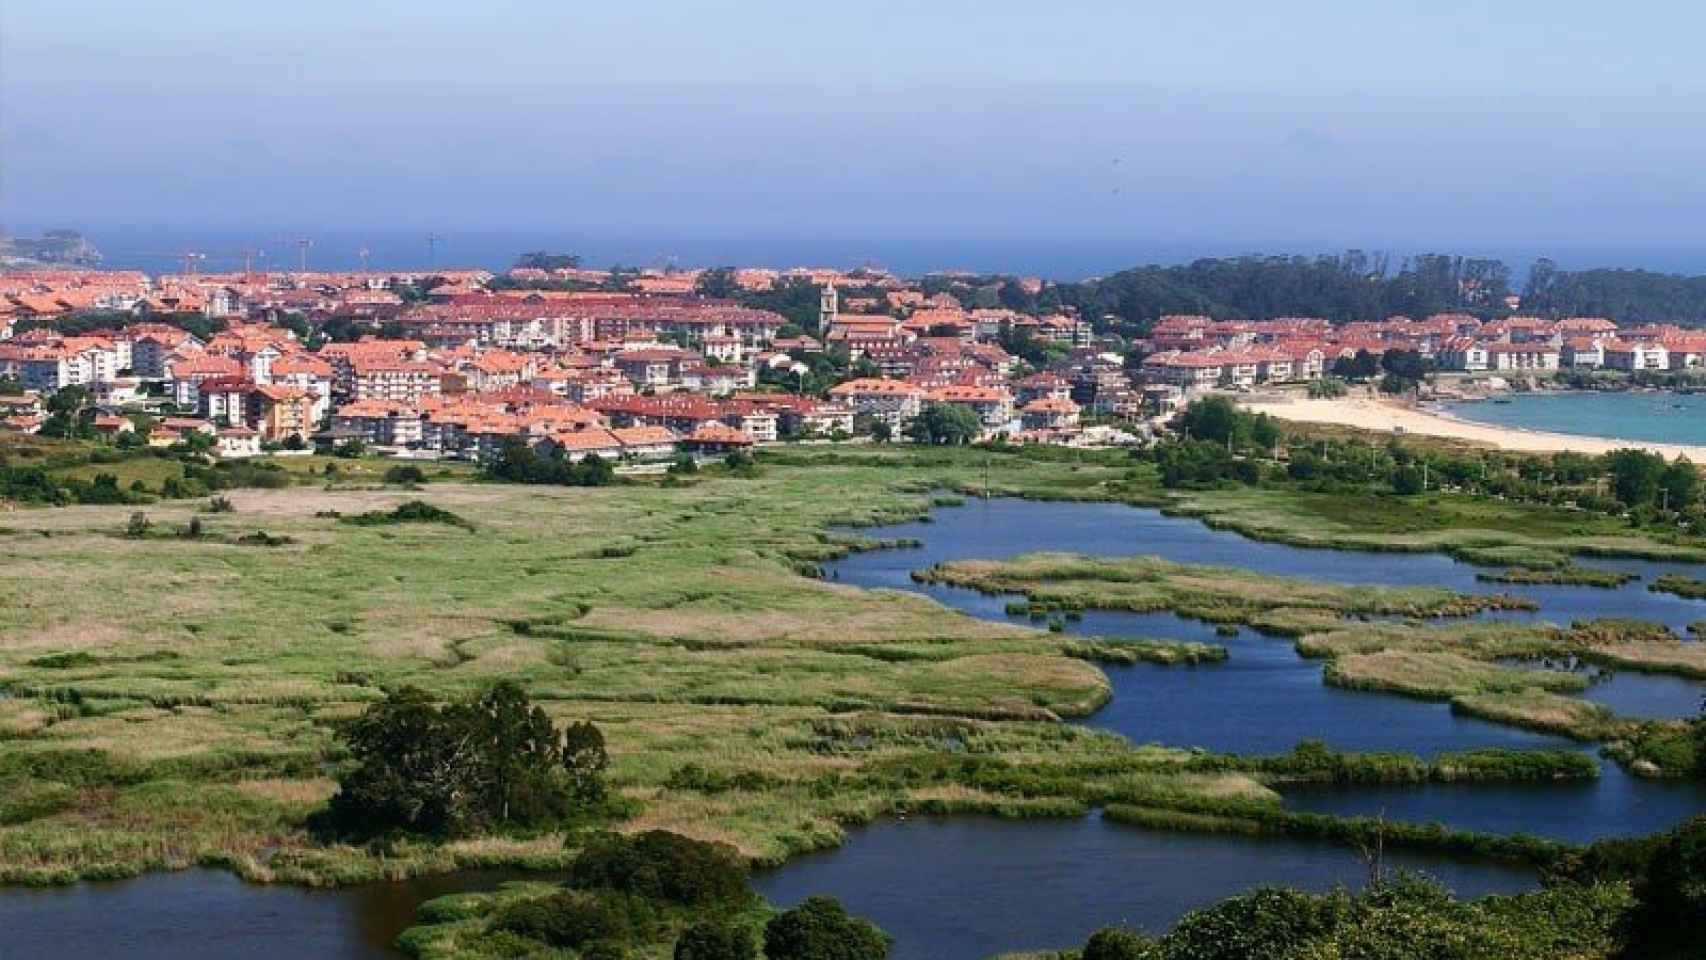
(996, 529)
(1265, 698)
(969, 888)
(196, 914)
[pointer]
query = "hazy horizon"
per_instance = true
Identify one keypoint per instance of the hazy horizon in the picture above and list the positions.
(993, 136)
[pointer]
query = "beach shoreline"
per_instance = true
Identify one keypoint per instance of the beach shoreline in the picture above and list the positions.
(1395, 416)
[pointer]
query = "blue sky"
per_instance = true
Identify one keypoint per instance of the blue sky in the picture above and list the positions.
(1081, 133)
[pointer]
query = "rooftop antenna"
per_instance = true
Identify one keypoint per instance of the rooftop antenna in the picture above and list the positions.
(249, 256)
(190, 258)
(302, 245)
(363, 253)
(433, 240)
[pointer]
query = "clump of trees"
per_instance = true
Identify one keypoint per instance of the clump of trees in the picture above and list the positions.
(490, 761)
(821, 929)
(1398, 917)
(517, 462)
(945, 424)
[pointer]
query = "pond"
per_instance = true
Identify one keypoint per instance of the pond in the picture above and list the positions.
(195, 914)
(969, 888)
(1265, 698)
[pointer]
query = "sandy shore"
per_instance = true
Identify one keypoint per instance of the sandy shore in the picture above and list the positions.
(1387, 416)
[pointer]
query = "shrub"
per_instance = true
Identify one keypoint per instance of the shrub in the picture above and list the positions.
(821, 929)
(406, 473)
(221, 505)
(137, 527)
(708, 940)
(660, 865)
(575, 919)
(414, 511)
(1269, 922)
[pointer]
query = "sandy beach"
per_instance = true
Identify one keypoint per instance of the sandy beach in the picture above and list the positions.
(1387, 416)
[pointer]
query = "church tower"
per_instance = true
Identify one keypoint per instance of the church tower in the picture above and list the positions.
(827, 308)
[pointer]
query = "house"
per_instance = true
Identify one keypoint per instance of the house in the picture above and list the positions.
(1582, 353)
(893, 402)
(1461, 353)
(1632, 355)
(717, 438)
(1049, 413)
(280, 413)
(237, 442)
(1529, 355)
(1192, 370)
(993, 405)
(381, 378)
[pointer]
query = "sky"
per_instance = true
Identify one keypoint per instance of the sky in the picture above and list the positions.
(1066, 138)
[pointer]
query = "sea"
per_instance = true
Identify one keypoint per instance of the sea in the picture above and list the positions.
(1648, 416)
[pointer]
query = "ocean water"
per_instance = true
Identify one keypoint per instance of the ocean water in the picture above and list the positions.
(1654, 417)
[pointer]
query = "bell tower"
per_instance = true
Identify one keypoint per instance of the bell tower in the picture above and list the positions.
(827, 308)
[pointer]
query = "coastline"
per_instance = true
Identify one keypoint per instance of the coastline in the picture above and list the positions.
(1388, 416)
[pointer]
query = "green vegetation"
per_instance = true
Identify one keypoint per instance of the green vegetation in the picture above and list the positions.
(1565, 575)
(412, 511)
(489, 762)
(1402, 917)
(1216, 594)
(190, 708)
(1680, 585)
(944, 423)
(657, 893)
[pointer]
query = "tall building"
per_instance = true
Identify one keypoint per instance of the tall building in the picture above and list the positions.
(828, 308)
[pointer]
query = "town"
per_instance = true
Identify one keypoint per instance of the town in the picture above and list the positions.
(579, 362)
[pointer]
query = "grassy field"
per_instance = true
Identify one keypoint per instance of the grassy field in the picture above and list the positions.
(172, 701)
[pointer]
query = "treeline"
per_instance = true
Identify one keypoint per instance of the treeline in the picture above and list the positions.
(1351, 286)
(1630, 296)
(1220, 445)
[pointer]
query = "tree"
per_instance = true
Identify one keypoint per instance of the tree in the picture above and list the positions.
(660, 865)
(1635, 475)
(1679, 485)
(945, 424)
(709, 940)
(490, 760)
(1362, 366)
(718, 282)
(1212, 418)
(821, 929)
(1118, 943)
(585, 759)
(1407, 481)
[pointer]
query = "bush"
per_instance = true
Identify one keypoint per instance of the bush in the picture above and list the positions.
(407, 474)
(709, 940)
(821, 929)
(660, 865)
(414, 511)
(1118, 943)
(576, 919)
(1269, 922)
(137, 527)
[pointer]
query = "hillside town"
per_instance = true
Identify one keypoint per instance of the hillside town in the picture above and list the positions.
(578, 362)
(451, 364)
